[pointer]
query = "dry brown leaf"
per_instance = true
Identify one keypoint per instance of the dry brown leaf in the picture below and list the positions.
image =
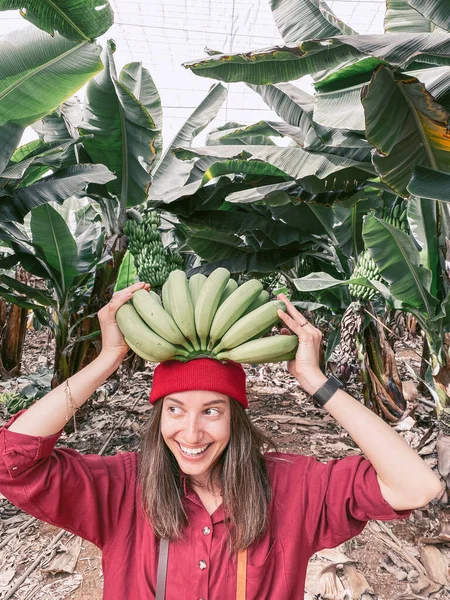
(435, 564)
(329, 586)
(357, 587)
(66, 558)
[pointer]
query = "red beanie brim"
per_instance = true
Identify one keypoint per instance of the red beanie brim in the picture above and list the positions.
(208, 374)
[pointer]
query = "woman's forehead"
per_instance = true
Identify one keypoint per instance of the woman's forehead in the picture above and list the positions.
(198, 397)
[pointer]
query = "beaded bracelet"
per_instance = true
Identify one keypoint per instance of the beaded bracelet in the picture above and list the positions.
(69, 403)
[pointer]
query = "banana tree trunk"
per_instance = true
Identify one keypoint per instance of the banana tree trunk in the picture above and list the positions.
(12, 341)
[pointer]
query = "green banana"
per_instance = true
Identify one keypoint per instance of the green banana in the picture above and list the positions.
(233, 308)
(166, 298)
(263, 298)
(156, 297)
(142, 337)
(208, 301)
(157, 318)
(262, 350)
(232, 285)
(251, 325)
(181, 307)
(140, 352)
(195, 285)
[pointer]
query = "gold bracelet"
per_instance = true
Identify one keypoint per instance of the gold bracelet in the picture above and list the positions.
(72, 406)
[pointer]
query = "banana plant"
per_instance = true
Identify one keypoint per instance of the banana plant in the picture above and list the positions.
(68, 264)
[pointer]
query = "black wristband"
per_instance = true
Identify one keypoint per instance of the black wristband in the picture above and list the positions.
(327, 390)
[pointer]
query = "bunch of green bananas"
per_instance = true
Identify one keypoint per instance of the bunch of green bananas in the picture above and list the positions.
(153, 262)
(396, 217)
(365, 267)
(205, 316)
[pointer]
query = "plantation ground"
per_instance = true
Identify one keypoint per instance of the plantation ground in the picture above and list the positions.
(278, 406)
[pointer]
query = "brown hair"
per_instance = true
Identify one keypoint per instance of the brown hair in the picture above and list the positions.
(241, 469)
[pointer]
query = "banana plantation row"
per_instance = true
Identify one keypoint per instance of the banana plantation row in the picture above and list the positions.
(342, 201)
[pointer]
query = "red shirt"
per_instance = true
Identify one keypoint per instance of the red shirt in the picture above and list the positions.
(314, 506)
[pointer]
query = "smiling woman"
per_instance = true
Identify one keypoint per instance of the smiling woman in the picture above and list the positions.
(207, 509)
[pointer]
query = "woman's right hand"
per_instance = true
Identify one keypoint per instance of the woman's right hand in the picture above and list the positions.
(113, 343)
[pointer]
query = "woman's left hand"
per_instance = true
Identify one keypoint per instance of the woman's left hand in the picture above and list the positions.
(305, 367)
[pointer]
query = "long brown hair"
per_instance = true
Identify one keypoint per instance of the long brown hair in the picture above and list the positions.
(241, 469)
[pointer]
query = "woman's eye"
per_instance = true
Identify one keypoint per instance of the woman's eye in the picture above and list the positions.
(175, 410)
(209, 411)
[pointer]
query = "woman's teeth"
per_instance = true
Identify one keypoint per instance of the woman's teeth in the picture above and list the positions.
(192, 452)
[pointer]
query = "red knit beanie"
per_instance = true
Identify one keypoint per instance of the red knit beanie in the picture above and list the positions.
(208, 374)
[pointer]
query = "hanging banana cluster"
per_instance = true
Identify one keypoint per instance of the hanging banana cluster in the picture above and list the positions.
(396, 217)
(205, 316)
(365, 267)
(153, 262)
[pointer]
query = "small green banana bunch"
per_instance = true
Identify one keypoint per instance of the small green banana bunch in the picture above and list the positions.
(396, 217)
(205, 316)
(365, 267)
(153, 262)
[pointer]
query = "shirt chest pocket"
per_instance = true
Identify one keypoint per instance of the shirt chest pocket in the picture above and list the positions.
(266, 575)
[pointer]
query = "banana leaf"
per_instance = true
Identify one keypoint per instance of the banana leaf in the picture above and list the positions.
(400, 16)
(127, 273)
(430, 183)
(407, 127)
(55, 245)
(423, 223)
(125, 137)
(311, 168)
(40, 72)
(66, 182)
(315, 282)
(398, 259)
(32, 293)
(438, 11)
(170, 172)
(73, 19)
(285, 63)
(300, 20)
(10, 136)
(257, 134)
(21, 301)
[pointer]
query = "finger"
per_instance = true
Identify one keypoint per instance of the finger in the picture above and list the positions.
(291, 310)
(285, 331)
(297, 327)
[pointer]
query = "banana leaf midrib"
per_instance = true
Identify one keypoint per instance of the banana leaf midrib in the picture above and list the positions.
(67, 19)
(32, 73)
(420, 129)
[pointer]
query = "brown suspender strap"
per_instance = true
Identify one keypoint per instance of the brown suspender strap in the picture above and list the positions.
(241, 592)
(161, 577)
(162, 570)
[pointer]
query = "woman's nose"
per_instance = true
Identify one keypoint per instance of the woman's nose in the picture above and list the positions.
(193, 431)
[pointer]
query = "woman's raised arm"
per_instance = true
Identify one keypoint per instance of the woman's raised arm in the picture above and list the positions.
(49, 414)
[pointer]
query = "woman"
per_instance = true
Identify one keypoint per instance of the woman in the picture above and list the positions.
(234, 522)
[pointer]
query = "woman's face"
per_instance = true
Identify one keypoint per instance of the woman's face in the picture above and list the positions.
(196, 427)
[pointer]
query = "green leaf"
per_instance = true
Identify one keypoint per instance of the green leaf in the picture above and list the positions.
(170, 172)
(126, 138)
(406, 125)
(315, 282)
(10, 136)
(73, 19)
(398, 260)
(422, 220)
(285, 63)
(400, 16)
(430, 183)
(40, 72)
(39, 296)
(61, 124)
(295, 162)
(55, 245)
(20, 301)
(127, 273)
(299, 20)
(70, 181)
(437, 11)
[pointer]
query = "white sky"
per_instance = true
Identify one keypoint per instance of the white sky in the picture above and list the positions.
(162, 34)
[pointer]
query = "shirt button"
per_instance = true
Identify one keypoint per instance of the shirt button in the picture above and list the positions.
(206, 531)
(14, 468)
(202, 564)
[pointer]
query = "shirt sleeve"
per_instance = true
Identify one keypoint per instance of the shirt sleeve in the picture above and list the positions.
(341, 497)
(83, 494)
